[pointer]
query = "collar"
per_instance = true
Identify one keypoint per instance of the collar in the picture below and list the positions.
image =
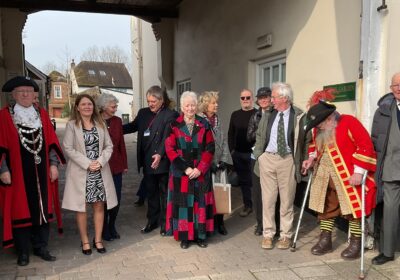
(26, 116)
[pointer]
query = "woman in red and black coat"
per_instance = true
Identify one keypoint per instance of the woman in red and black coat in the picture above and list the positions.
(108, 105)
(190, 204)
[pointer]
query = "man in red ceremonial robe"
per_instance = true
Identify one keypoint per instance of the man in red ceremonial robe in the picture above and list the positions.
(341, 152)
(29, 156)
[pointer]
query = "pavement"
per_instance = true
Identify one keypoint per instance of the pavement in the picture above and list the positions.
(237, 255)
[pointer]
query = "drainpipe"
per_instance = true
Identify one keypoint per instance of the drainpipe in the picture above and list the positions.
(372, 78)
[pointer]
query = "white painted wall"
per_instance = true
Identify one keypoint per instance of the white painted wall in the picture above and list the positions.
(215, 45)
(145, 64)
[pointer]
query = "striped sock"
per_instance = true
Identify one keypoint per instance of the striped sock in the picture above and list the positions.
(327, 225)
(355, 228)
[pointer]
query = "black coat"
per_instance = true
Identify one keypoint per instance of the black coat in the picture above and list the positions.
(146, 148)
(380, 136)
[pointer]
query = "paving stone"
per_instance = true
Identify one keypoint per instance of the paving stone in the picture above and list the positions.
(285, 274)
(240, 275)
(179, 275)
(314, 271)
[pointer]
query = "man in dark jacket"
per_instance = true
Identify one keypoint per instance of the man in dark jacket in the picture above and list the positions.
(240, 147)
(385, 136)
(152, 125)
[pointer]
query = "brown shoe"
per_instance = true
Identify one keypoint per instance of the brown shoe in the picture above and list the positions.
(324, 244)
(283, 243)
(353, 251)
(267, 243)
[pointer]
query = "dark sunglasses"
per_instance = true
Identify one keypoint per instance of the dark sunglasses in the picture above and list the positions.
(245, 97)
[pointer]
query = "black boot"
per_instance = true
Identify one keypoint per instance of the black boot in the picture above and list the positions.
(106, 229)
(111, 224)
(219, 224)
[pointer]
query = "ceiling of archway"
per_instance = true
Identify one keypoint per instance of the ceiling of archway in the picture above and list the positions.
(150, 10)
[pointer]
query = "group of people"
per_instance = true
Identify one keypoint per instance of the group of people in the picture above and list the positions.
(272, 149)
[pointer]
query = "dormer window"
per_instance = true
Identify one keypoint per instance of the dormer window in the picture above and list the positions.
(102, 73)
(91, 72)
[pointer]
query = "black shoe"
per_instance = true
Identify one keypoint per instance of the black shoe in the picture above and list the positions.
(201, 243)
(184, 244)
(222, 230)
(86, 252)
(99, 250)
(44, 255)
(139, 202)
(163, 232)
(245, 211)
(258, 231)
(23, 259)
(149, 228)
(107, 237)
(114, 233)
(381, 259)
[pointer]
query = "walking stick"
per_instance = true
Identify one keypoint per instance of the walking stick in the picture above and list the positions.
(293, 249)
(362, 276)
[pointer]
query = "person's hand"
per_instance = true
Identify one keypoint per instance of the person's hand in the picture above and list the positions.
(5, 177)
(222, 166)
(125, 171)
(195, 173)
(188, 171)
(156, 161)
(94, 166)
(307, 164)
(53, 173)
(356, 179)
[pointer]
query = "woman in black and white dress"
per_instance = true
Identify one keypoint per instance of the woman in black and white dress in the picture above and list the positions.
(88, 177)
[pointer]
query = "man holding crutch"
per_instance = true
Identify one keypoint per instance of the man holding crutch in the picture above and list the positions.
(341, 152)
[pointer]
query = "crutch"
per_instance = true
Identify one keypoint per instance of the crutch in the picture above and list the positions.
(293, 249)
(362, 276)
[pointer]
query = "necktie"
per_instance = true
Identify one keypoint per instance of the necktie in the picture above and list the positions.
(281, 137)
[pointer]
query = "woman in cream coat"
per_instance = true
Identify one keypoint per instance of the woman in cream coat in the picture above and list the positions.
(88, 177)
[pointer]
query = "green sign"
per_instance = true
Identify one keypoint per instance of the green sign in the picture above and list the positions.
(344, 92)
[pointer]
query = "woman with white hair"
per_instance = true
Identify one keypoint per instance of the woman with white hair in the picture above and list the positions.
(108, 104)
(190, 148)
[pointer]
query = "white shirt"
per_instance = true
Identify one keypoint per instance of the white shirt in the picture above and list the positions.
(272, 145)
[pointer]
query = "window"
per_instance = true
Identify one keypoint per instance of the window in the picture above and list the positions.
(102, 73)
(91, 72)
(57, 92)
(181, 87)
(270, 71)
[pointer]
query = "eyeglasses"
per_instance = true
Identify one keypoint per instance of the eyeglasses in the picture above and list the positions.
(395, 86)
(24, 91)
(275, 97)
(245, 97)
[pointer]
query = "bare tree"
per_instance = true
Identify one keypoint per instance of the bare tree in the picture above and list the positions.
(49, 67)
(107, 54)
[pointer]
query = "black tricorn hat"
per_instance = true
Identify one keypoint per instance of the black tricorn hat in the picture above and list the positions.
(19, 81)
(318, 113)
(264, 91)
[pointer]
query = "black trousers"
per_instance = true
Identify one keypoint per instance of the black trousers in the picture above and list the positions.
(257, 195)
(156, 187)
(38, 236)
(242, 165)
(110, 216)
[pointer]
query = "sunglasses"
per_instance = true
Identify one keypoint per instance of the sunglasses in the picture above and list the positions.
(245, 97)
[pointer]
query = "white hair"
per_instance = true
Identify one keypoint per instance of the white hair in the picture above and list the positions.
(187, 95)
(104, 99)
(284, 90)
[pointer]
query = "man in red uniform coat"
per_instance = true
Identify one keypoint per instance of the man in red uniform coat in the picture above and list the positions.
(341, 152)
(29, 156)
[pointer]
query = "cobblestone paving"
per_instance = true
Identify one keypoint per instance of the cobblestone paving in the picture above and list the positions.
(236, 256)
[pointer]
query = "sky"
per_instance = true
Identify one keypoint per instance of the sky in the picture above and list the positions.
(52, 36)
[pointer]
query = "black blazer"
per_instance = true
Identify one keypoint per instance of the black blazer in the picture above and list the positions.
(160, 129)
